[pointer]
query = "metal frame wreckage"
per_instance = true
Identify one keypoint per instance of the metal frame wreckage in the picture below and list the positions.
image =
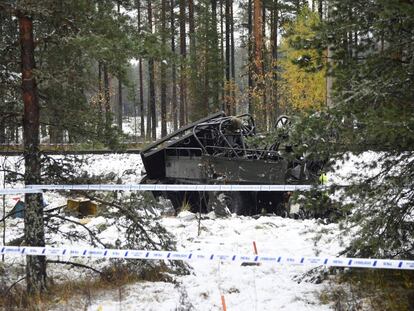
(218, 149)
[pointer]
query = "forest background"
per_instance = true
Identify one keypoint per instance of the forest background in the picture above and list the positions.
(171, 62)
(344, 69)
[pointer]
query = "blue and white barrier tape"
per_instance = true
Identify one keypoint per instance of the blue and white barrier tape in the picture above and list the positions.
(14, 191)
(198, 256)
(154, 187)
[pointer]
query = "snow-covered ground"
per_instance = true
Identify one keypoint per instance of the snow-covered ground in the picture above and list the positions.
(264, 287)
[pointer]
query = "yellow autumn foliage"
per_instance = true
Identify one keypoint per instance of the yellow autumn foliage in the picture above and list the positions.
(303, 84)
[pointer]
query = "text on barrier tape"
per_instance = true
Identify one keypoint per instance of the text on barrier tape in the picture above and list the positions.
(195, 256)
(155, 187)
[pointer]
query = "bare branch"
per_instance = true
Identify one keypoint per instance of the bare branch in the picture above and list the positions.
(74, 264)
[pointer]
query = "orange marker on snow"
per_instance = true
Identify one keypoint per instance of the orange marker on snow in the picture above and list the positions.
(255, 248)
(223, 303)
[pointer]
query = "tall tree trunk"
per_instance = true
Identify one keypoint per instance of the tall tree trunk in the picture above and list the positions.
(320, 9)
(250, 54)
(163, 72)
(193, 104)
(232, 65)
(227, 66)
(223, 91)
(2, 130)
(258, 56)
(183, 53)
(55, 131)
(107, 99)
(216, 81)
(100, 98)
(34, 234)
(329, 77)
(174, 111)
(2, 117)
(120, 105)
(204, 101)
(266, 107)
(258, 36)
(151, 69)
(274, 27)
(141, 99)
(141, 87)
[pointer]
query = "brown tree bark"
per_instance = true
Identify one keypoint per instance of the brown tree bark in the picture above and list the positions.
(183, 52)
(265, 104)
(34, 234)
(250, 53)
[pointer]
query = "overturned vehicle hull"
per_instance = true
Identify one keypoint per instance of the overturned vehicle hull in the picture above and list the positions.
(219, 150)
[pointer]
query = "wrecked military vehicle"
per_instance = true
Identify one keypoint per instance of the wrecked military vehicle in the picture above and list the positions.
(218, 149)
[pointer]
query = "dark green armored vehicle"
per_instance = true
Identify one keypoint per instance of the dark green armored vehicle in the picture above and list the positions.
(219, 150)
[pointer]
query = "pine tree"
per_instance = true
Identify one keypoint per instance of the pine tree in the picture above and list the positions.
(151, 118)
(120, 104)
(140, 76)
(372, 111)
(163, 71)
(183, 53)
(227, 87)
(174, 107)
(258, 61)
(33, 220)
